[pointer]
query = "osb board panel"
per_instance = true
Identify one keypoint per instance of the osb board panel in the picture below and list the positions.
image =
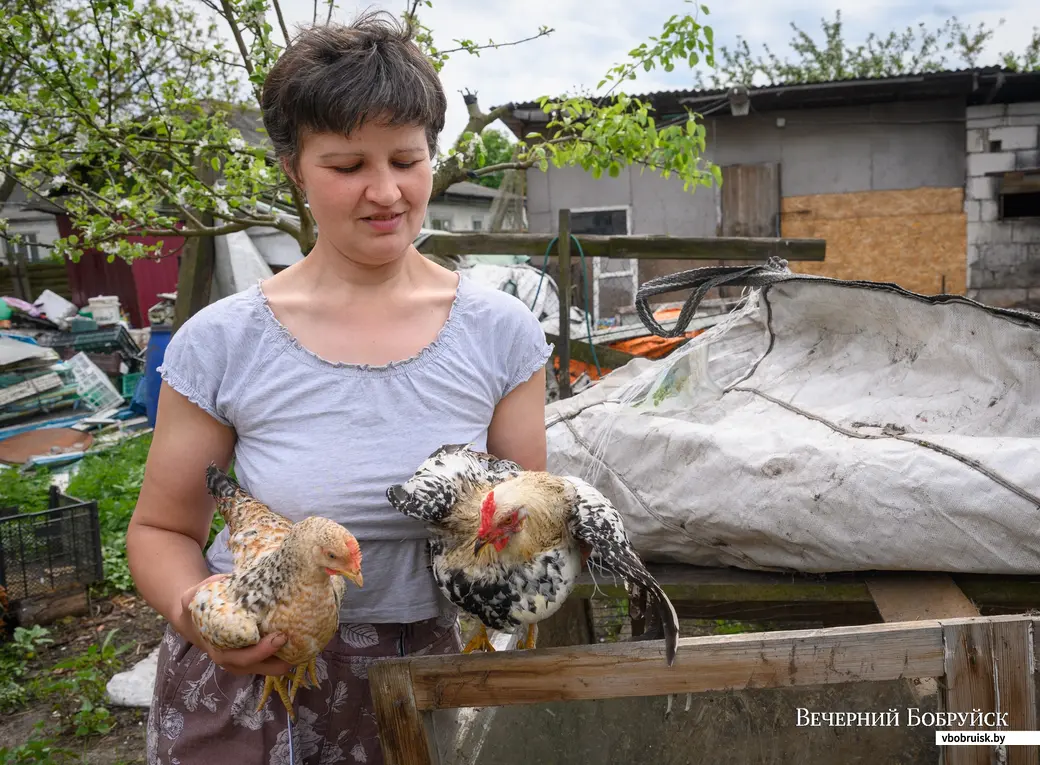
(913, 238)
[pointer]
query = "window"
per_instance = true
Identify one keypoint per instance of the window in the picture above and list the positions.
(440, 224)
(1020, 195)
(478, 222)
(29, 248)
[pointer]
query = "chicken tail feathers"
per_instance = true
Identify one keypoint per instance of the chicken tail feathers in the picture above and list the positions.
(220, 484)
(595, 522)
(666, 614)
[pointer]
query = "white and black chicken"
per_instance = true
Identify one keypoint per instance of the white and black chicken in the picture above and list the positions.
(507, 545)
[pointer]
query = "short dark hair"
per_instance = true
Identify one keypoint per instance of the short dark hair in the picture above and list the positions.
(333, 78)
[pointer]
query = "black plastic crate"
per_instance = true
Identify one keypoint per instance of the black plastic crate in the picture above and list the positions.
(50, 551)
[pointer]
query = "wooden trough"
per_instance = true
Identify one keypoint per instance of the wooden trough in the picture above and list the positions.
(985, 667)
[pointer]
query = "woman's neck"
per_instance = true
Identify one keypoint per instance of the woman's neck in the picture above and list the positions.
(325, 268)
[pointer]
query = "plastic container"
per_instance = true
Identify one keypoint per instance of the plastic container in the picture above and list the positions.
(105, 309)
(92, 385)
(157, 342)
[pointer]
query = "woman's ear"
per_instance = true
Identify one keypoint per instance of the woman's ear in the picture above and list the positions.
(288, 170)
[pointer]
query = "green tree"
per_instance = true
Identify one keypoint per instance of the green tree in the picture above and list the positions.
(61, 62)
(951, 45)
(186, 163)
(498, 150)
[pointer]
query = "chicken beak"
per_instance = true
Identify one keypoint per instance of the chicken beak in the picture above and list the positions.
(479, 545)
(355, 577)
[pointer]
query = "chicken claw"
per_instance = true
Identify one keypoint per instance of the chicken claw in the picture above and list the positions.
(528, 642)
(278, 684)
(304, 676)
(480, 642)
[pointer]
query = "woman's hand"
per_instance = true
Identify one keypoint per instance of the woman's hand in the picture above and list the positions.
(257, 659)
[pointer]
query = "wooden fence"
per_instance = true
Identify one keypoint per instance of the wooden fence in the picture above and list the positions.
(985, 666)
(27, 280)
(745, 249)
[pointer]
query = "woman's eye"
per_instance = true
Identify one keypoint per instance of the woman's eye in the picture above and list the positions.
(404, 165)
(347, 169)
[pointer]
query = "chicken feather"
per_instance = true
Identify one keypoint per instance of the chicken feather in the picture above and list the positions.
(287, 577)
(507, 545)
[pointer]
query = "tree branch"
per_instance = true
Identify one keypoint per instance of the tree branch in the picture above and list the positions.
(281, 20)
(545, 32)
(450, 171)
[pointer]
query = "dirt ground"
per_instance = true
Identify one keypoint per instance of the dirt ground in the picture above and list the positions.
(139, 626)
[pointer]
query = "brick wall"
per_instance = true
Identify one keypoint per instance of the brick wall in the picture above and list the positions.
(1003, 255)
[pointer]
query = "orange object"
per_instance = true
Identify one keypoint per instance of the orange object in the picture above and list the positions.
(647, 346)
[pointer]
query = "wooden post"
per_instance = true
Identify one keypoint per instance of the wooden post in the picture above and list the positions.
(564, 244)
(989, 670)
(195, 279)
(402, 728)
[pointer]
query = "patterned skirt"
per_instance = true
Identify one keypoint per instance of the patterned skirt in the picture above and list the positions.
(202, 714)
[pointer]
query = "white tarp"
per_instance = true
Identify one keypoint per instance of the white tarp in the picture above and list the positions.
(831, 426)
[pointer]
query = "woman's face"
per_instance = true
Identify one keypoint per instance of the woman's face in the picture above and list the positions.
(368, 192)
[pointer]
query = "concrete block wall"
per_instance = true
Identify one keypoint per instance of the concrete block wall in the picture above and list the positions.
(1003, 255)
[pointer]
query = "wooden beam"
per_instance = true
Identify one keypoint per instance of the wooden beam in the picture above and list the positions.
(564, 288)
(639, 247)
(402, 729)
(823, 612)
(925, 596)
(194, 279)
(1015, 684)
(582, 351)
(702, 585)
(714, 663)
(47, 609)
(968, 670)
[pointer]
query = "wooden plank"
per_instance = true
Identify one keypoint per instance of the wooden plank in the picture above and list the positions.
(564, 288)
(609, 358)
(640, 247)
(195, 279)
(750, 200)
(1015, 684)
(925, 596)
(968, 670)
(47, 609)
(715, 663)
(728, 585)
(825, 613)
(698, 584)
(402, 730)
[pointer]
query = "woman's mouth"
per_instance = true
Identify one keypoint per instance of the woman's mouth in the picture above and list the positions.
(384, 222)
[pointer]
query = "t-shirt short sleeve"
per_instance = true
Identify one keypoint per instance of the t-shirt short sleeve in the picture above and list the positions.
(195, 362)
(524, 343)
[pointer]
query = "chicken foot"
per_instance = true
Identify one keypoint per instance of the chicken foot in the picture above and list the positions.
(479, 642)
(528, 642)
(278, 685)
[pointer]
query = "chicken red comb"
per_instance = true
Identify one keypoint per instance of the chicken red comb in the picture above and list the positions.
(487, 512)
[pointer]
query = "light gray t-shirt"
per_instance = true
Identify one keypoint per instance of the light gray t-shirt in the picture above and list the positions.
(323, 438)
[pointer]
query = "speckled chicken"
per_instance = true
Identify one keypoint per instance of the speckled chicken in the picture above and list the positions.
(507, 545)
(287, 577)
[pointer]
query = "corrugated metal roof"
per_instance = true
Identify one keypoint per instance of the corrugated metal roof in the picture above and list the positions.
(992, 84)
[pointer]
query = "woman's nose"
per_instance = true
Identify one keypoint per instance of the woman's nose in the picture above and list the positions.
(383, 189)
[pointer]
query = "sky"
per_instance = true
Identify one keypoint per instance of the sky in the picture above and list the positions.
(590, 36)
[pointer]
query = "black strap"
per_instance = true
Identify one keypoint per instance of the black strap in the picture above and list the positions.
(702, 281)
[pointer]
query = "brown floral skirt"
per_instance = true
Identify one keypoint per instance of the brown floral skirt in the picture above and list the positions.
(202, 714)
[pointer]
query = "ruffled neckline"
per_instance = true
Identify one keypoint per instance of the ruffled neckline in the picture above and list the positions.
(446, 336)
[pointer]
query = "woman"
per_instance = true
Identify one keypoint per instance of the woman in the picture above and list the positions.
(326, 384)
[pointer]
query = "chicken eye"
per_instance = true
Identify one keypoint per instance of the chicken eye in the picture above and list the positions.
(331, 556)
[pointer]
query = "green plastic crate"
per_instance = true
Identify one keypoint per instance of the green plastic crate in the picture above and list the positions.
(130, 383)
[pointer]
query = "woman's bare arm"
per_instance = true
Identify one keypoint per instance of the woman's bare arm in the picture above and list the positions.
(517, 430)
(170, 525)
